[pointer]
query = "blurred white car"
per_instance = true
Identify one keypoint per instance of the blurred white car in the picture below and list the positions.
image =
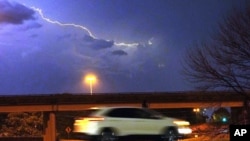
(110, 123)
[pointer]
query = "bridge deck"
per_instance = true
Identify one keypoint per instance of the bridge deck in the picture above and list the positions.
(67, 99)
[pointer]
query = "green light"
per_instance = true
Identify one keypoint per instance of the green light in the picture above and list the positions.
(224, 119)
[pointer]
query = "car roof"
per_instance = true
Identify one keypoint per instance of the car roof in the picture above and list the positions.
(104, 109)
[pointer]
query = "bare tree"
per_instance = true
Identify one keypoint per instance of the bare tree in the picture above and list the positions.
(224, 61)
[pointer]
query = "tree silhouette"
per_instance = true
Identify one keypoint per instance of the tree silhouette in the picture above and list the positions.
(23, 124)
(223, 63)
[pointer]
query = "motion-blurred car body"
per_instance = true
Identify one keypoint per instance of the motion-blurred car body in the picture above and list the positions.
(110, 123)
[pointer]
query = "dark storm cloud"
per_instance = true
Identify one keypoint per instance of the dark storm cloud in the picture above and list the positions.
(97, 43)
(14, 13)
(119, 52)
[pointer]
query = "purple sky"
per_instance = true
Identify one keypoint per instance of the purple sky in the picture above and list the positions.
(131, 45)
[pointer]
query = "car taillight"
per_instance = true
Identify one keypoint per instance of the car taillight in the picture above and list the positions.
(95, 118)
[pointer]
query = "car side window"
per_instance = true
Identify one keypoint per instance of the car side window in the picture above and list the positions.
(118, 112)
(128, 113)
(138, 113)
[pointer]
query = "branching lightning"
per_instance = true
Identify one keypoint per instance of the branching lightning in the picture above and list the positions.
(126, 44)
(39, 11)
(62, 24)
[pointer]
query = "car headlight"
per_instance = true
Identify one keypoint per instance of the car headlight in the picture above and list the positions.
(183, 127)
(184, 130)
(181, 123)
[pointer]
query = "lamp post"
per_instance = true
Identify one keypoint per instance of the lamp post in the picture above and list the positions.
(90, 79)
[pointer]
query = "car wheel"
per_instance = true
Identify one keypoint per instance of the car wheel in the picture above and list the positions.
(170, 135)
(107, 135)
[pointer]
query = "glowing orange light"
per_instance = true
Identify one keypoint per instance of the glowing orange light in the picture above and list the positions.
(90, 79)
(196, 110)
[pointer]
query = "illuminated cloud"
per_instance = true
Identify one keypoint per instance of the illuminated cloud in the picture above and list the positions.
(14, 13)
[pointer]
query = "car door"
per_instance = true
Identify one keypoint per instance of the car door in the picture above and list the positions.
(122, 120)
(146, 123)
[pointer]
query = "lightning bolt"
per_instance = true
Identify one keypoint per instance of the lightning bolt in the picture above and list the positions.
(39, 11)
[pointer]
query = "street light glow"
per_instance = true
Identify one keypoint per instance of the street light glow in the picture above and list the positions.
(196, 110)
(90, 79)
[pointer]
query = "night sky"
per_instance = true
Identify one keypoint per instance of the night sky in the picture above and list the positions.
(47, 47)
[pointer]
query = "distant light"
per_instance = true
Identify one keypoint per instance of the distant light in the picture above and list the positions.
(224, 119)
(196, 110)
